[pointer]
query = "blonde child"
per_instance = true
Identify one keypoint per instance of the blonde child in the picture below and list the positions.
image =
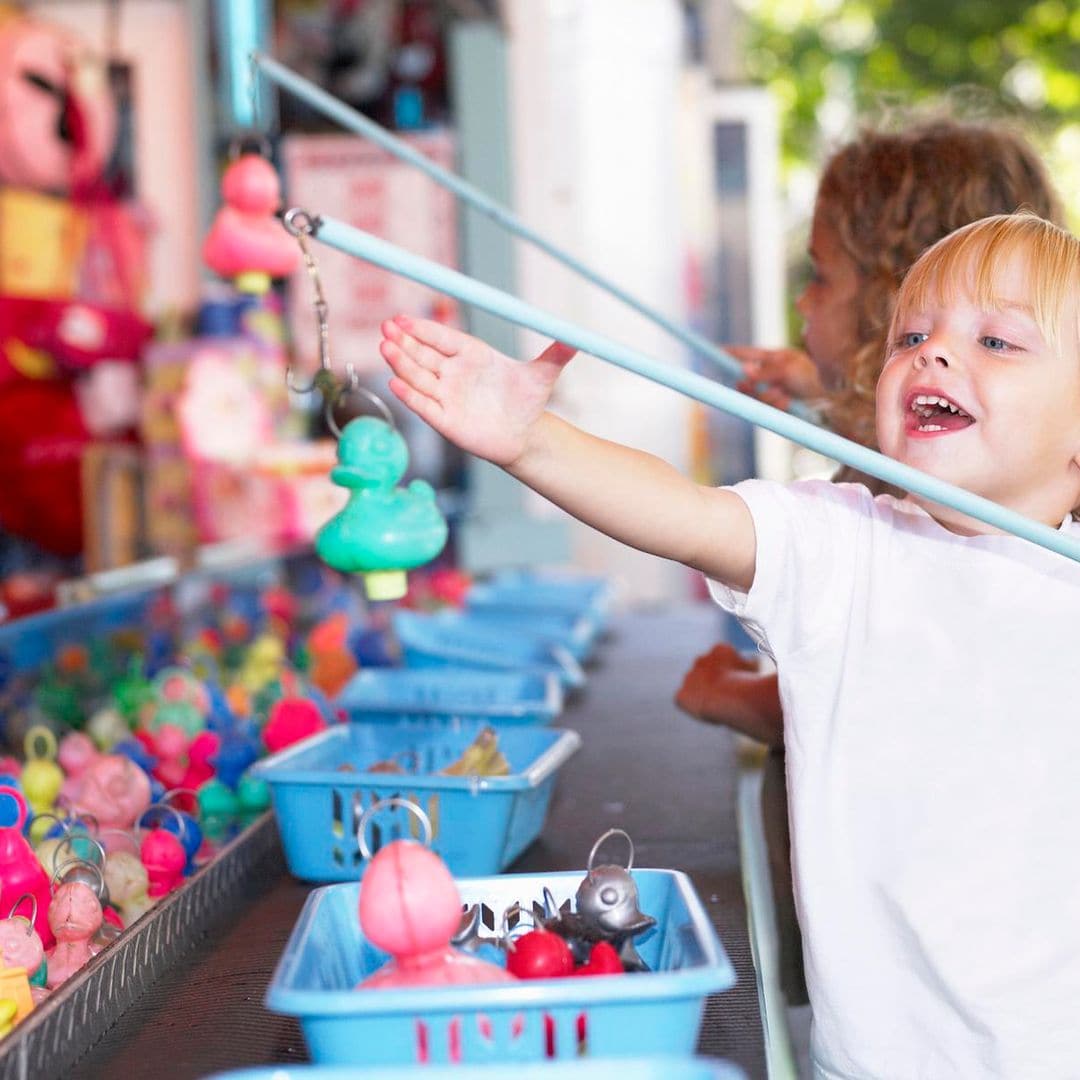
(882, 200)
(926, 662)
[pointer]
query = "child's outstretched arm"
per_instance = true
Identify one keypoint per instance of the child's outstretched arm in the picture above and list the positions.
(496, 408)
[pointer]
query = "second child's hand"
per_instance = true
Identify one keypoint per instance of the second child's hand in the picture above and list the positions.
(476, 397)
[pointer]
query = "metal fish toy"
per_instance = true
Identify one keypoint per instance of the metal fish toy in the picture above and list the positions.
(606, 910)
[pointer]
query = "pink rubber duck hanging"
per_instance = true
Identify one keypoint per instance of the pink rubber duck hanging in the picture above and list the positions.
(246, 242)
(410, 907)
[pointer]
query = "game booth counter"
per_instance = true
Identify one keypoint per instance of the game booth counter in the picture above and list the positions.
(256, 950)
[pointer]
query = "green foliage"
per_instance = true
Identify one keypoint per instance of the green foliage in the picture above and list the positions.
(822, 55)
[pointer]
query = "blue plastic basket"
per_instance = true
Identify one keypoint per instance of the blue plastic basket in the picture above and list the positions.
(604, 1016)
(577, 631)
(443, 695)
(479, 824)
(450, 639)
(652, 1068)
(538, 591)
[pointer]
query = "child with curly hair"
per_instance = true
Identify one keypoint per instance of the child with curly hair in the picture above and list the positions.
(882, 200)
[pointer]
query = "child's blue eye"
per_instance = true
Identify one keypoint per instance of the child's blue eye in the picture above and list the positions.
(912, 338)
(995, 343)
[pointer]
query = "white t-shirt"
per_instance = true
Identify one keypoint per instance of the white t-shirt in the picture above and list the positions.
(930, 687)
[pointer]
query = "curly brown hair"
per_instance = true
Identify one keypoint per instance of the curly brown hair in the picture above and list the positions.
(889, 196)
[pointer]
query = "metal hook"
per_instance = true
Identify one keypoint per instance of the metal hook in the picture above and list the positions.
(300, 224)
(506, 939)
(601, 839)
(382, 804)
(33, 911)
(354, 386)
(69, 842)
(159, 806)
(240, 143)
(100, 890)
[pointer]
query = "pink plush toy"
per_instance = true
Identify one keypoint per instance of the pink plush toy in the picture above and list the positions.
(75, 916)
(410, 906)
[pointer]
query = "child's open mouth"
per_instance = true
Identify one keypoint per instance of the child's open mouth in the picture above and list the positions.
(935, 414)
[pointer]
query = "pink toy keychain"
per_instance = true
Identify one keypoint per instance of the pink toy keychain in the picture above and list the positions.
(75, 916)
(163, 855)
(20, 871)
(20, 945)
(410, 907)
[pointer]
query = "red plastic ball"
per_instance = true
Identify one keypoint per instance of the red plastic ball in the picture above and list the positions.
(540, 954)
(603, 960)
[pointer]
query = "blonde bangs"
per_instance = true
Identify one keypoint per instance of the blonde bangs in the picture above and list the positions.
(965, 263)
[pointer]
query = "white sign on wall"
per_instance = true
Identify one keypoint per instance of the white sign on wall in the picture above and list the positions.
(343, 177)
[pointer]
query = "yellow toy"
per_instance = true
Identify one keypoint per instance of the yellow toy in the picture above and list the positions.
(16, 1002)
(41, 776)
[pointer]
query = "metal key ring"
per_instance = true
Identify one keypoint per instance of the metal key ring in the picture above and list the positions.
(382, 804)
(352, 385)
(596, 847)
(33, 910)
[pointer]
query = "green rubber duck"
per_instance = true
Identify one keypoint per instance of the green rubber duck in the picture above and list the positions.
(383, 530)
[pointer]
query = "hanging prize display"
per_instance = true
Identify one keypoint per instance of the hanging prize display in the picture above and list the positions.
(384, 529)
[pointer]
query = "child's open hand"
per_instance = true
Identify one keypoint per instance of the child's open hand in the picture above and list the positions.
(479, 399)
(776, 376)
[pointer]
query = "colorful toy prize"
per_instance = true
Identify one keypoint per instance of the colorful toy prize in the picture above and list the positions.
(75, 916)
(246, 242)
(607, 911)
(20, 871)
(383, 530)
(410, 906)
(20, 944)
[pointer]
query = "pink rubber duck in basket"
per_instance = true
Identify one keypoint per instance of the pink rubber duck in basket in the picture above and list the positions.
(410, 907)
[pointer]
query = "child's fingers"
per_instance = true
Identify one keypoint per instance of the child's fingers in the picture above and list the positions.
(428, 332)
(421, 353)
(428, 409)
(405, 366)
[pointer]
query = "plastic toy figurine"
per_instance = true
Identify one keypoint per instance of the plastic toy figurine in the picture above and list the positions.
(20, 871)
(246, 242)
(410, 907)
(128, 882)
(41, 778)
(170, 747)
(331, 663)
(200, 752)
(607, 910)
(76, 752)
(383, 530)
(107, 727)
(20, 944)
(236, 753)
(482, 757)
(75, 916)
(291, 719)
(114, 790)
(164, 858)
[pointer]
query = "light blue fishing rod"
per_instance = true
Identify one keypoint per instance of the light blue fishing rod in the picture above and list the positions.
(359, 124)
(363, 245)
